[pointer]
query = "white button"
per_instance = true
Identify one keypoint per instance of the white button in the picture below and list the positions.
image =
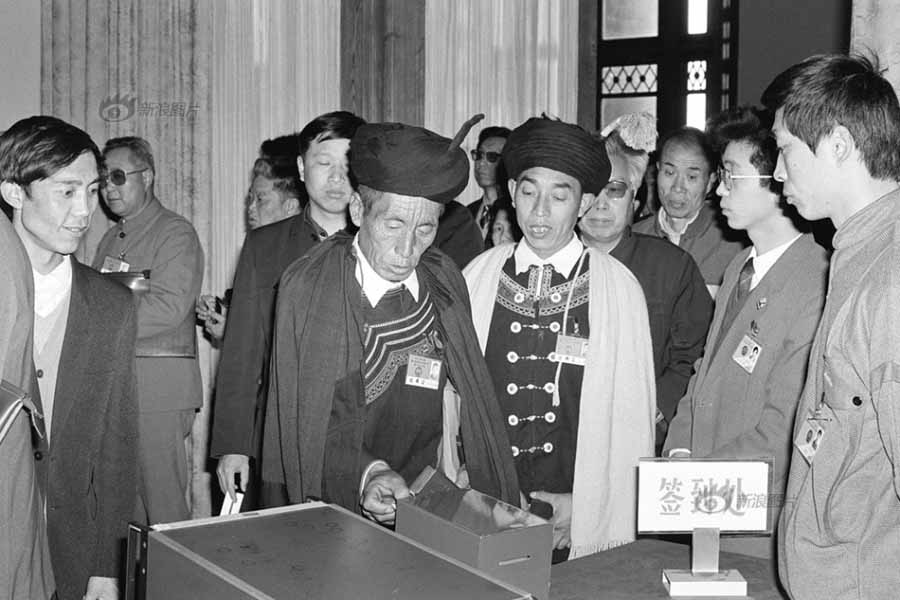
(548, 447)
(552, 357)
(515, 451)
(554, 327)
(515, 327)
(549, 387)
(513, 420)
(550, 417)
(555, 297)
(519, 298)
(512, 357)
(511, 389)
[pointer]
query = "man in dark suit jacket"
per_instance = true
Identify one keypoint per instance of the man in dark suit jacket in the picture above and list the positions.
(24, 559)
(741, 401)
(242, 381)
(84, 340)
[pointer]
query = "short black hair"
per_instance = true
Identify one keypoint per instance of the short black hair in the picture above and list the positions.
(692, 137)
(752, 126)
(827, 90)
(494, 131)
(283, 147)
(284, 179)
(37, 147)
(337, 125)
(138, 146)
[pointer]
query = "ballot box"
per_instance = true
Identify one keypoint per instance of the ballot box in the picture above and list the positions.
(497, 538)
(314, 550)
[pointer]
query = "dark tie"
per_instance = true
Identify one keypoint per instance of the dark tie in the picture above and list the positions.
(736, 300)
(485, 212)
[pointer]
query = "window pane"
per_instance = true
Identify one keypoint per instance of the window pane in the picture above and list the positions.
(696, 16)
(611, 108)
(696, 111)
(624, 19)
(628, 79)
(696, 75)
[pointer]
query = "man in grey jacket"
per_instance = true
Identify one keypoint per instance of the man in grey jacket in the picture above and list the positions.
(837, 127)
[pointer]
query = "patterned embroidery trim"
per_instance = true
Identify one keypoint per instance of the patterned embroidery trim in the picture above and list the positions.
(508, 290)
(377, 385)
(380, 337)
(388, 346)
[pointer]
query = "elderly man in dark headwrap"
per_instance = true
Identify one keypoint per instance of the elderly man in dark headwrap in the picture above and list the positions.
(566, 337)
(370, 330)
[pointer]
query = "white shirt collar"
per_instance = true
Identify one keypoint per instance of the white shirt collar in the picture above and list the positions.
(563, 261)
(673, 235)
(373, 285)
(51, 289)
(763, 262)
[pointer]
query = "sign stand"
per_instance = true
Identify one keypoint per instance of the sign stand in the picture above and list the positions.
(705, 578)
(705, 550)
(704, 497)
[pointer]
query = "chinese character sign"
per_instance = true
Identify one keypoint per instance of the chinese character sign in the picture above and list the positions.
(681, 495)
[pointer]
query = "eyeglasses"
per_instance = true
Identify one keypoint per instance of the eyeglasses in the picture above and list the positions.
(119, 177)
(726, 177)
(491, 157)
(616, 188)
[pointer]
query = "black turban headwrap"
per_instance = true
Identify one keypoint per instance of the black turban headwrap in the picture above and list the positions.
(552, 144)
(407, 160)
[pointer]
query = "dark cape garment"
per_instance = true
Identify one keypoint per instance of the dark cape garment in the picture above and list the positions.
(319, 341)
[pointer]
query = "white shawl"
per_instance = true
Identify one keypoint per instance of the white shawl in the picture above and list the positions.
(618, 396)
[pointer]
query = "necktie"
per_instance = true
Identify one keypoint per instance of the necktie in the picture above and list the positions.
(483, 219)
(736, 301)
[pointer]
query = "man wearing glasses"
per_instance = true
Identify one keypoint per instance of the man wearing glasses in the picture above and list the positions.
(742, 399)
(486, 163)
(149, 237)
(679, 305)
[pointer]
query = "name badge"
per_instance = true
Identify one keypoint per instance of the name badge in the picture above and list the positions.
(114, 265)
(571, 350)
(747, 353)
(423, 371)
(810, 437)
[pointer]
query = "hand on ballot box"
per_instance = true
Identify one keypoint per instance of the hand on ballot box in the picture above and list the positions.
(562, 517)
(380, 494)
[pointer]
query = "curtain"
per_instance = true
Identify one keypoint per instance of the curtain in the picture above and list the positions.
(508, 59)
(126, 67)
(874, 26)
(275, 65)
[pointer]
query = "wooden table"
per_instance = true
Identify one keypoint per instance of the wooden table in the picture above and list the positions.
(635, 571)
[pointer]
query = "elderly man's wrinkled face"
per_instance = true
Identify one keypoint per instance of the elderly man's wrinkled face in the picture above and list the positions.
(129, 198)
(684, 179)
(548, 204)
(605, 221)
(323, 169)
(395, 231)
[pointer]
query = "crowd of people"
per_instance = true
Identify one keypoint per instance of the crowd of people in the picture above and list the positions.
(533, 345)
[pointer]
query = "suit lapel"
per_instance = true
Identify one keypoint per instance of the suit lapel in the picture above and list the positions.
(73, 358)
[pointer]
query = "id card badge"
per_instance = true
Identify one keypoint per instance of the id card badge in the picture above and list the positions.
(114, 265)
(747, 353)
(571, 349)
(423, 371)
(810, 437)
